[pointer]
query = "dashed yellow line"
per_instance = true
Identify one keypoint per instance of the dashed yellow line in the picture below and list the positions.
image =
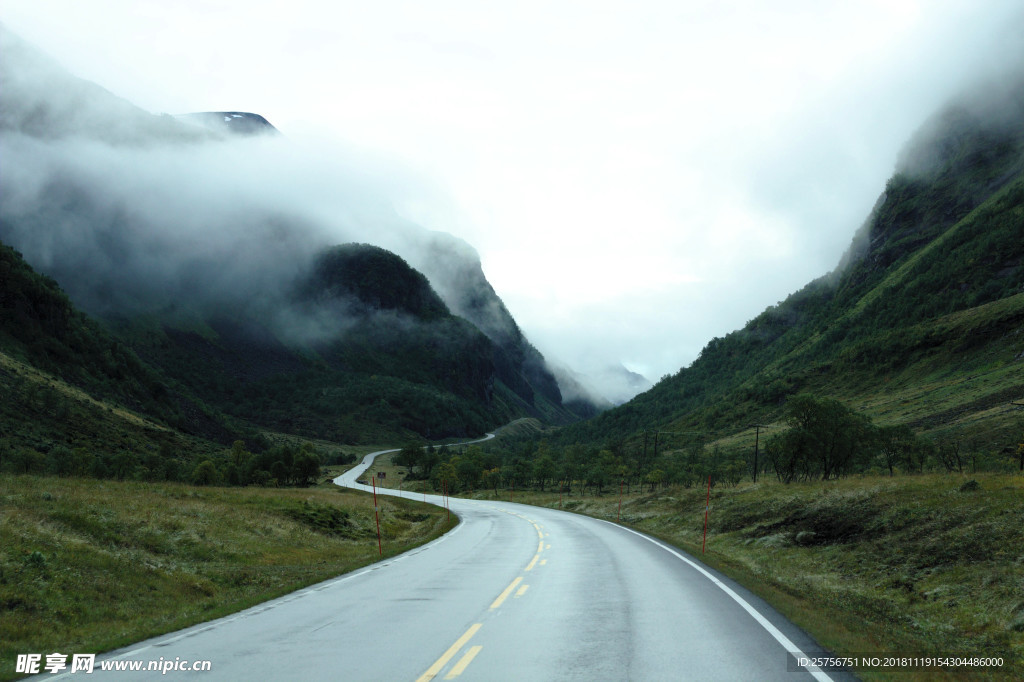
(433, 670)
(504, 595)
(522, 590)
(459, 667)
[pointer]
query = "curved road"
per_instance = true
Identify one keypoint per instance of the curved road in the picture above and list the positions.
(514, 592)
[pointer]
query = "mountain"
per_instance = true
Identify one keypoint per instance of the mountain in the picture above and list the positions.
(242, 123)
(223, 276)
(922, 322)
(82, 111)
(454, 268)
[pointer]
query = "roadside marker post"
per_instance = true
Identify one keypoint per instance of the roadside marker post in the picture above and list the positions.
(444, 493)
(376, 515)
(706, 505)
(618, 516)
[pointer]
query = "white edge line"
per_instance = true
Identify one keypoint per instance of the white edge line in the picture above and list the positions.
(786, 642)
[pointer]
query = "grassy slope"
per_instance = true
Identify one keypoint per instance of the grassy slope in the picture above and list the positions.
(39, 409)
(908, 565)
(925, 329)
(90, 565)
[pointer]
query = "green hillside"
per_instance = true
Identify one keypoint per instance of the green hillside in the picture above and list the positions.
(920, 325)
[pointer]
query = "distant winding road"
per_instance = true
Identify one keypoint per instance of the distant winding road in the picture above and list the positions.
(514, 592)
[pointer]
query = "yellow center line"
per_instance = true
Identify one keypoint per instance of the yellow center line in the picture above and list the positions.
(529, 566)
(522, 590)
(540, 546)
(508, 590)
(447, 656)
(548, 547)
(543, 562)
(459, 667)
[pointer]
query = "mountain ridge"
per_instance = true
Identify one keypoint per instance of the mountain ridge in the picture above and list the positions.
(943, 244)
(241, 305)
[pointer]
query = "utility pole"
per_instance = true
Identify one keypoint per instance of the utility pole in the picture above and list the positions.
(757, 435)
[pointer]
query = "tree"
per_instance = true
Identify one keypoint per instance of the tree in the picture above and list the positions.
(825, 440)
(654, 478)
(897, 446)
(305, 468)
(238, 454)
(123, 465)
(604, 470)
(469, 467)
(544, 470)
(575, 458)
(491, 478)
(446, 478)
(205, 473)
(732, 472)
(411, 457)
(951, 456)
(279, 472)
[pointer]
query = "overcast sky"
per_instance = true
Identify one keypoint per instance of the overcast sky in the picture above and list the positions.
(638, 177)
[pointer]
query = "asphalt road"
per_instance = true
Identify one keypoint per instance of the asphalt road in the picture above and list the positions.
(514, 592)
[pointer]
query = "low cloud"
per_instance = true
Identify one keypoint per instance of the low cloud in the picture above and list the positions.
(132, 212)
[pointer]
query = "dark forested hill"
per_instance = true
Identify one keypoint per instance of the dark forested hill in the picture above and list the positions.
(40, 326)
(190, 276)
(930, 296)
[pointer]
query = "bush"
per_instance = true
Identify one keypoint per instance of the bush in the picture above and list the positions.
(205, 473)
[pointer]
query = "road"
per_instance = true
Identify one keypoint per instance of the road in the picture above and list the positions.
(514, 592)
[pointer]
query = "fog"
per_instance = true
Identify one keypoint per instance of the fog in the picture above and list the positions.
(636, 177)
(134, 213)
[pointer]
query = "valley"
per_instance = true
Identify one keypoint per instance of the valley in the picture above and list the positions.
(193, 364)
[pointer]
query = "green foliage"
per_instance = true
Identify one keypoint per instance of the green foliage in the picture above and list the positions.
(327, 519)
(40, 325)
(900, 448)
(825, 440)
(305, 468)
(205, 473)
(404, 366)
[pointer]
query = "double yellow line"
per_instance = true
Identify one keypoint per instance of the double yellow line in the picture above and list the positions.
(457, 669)
(468, 657)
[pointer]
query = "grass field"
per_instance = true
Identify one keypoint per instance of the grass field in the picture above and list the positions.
(87, 565)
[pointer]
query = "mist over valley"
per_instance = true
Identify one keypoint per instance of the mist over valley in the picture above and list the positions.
(207, 318)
